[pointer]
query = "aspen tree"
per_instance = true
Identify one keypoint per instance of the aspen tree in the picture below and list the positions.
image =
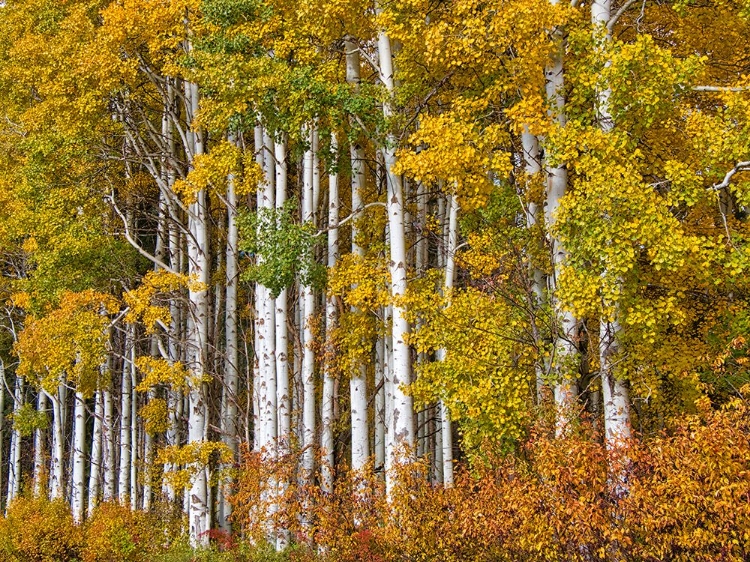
(358, 378)
(97, 444)
(57, 480)
(229, 410)
(402, 418)
(126, 397)
(283, 396)
(14, 460)
(614, 390)
(308, 314)
(78, 489)
(281, 318)
(327, 409)
(446, 432)
(39, 471)
(108, 442)
(565, 351)
(532, 161)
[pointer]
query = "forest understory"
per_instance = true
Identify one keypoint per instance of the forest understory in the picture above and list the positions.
(386, 281)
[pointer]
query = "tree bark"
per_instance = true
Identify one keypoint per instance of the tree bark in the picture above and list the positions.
(565, 339)
(326, 422)
(402, 418)
(77, 495)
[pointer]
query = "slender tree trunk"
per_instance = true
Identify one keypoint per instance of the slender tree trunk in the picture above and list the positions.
(565, 349)
(78, 492)
(97, 438)
(108, 449)
(450, 275)
(198, 268)
(326, 422)
(14, 463)
(134, 445)
(261, 297)
(57, 482)
(123, 487)
(308, 355)
(379, 416)
(266, 385)
(283, 396)
(3, 385)
(614, 389)
(403, 410)
(358, 380)
(388, 388)
(532, 160)
(148, 460)
(229, 426)
(39, 434)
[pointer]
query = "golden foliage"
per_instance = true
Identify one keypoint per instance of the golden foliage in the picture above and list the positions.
(68, 343)
(149, 302)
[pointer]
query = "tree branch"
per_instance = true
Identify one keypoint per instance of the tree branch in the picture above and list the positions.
(739, 167)
(618, 14)
(153, 259)
(721, 88)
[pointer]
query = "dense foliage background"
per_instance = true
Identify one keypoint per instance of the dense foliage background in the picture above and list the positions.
(403, 280)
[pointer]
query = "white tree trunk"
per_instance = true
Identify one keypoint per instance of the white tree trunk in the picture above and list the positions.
(327, 419)
(614, 390)
(450, 276)
(133, 441)
(308, 355)
(266, 385)
(57, 483)
(77, 494)
(379, 416)
(95, 472)
(532, 160)
(197, 341)
(14, 462)
(283, 395)
(565, 349)
(229, 425)
(259, 372)
(420, 265)
(108, 445)
(3, 385)
(358, 380)
(123, 487)
(388, 388)
(403, 410)
(39, 472)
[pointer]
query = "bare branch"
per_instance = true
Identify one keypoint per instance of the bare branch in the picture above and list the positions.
(153, 259)
(618, 14)
(721, 88)
(352, 216)
(739, 167)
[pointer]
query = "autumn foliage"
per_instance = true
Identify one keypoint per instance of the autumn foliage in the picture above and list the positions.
(685, 496)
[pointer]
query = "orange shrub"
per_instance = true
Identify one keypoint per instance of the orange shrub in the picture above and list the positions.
(680, 496)
(689, 498)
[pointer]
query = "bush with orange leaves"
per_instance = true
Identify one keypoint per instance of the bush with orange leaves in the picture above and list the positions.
(683, 495)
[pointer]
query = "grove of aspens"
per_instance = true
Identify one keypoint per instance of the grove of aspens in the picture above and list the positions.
(397, 280)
